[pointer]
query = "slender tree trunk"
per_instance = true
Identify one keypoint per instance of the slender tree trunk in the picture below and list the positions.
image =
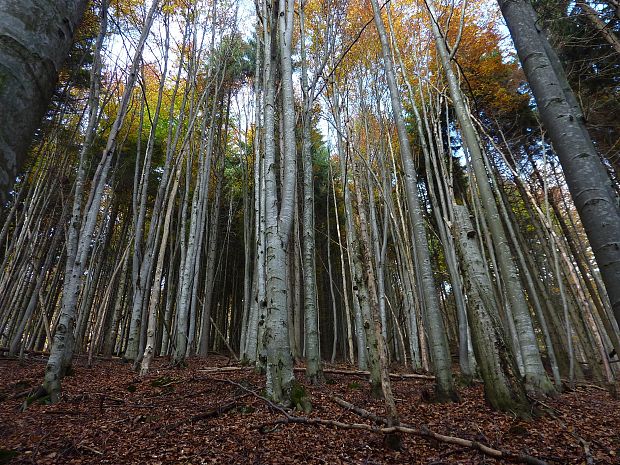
(278, 18)
(314, 372)
(536, 378)
(437, 333)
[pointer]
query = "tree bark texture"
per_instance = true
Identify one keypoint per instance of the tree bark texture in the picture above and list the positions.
(590, 187)
(35, 39)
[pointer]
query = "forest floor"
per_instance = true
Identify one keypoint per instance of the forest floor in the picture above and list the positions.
(108, 414)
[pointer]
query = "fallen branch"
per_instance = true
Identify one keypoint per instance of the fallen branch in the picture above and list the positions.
(212, 413)
(586, 385)
(331, 371)
(89, 449)
(27, 351)
(425, 432)
(421, 432)
(224, 369)
(104, 397)
(253, 393)
(367, 373)
(360, 411)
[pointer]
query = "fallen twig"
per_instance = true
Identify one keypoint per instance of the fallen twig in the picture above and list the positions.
(124, 401)
(360, 411)
(367, 373)
(584, 444)
(224, 369)
(332, 371)
(425, 432)
(212, 413)
(586, 385)
(89, 449)
(255, 394)
(422, 432)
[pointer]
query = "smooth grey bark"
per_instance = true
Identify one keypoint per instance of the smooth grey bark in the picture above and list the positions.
(279, 210)
(437, 333)
(82, 225)
(589, 184)
(311, 322)
(514, 234)
(250, 341)
(358, 288)
(188, 276)
(149, 350)
(330, 277)
(536, 377)
(503, 386)
(117, 312)
(141, 278)
(433, 156)
(345, 298)
(139, 203)
(35, 39)
(34, 298)
(211, 264)
(377, 353)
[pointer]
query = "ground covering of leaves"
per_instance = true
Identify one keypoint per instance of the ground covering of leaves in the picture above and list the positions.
(108, 414)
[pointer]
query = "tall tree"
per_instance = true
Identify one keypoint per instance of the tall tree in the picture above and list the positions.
(536, 377)
(589, 184)
(36, 38)
(437, 333)
(278, 35)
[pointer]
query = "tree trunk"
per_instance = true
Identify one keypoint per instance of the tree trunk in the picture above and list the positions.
(587, 179)
(437, 333)
(36, 38)
(502, 382)
(536, 378)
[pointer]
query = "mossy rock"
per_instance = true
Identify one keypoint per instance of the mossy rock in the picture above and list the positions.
(300, 398)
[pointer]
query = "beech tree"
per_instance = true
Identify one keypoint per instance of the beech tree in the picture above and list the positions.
(590, 186)
(37, 37)
(328, 189)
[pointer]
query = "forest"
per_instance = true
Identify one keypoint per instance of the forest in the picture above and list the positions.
(310, 231)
